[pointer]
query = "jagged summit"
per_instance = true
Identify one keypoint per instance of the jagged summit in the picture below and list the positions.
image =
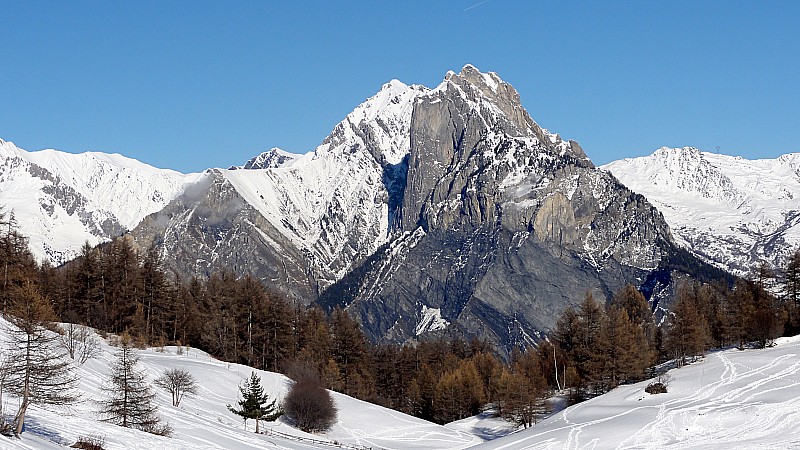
(444, 210)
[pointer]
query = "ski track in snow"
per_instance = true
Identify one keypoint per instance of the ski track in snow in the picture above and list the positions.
(731, 399)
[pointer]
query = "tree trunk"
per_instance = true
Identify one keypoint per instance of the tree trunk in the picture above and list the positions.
(21, 418)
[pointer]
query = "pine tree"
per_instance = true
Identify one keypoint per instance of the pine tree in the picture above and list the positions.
(129, 399)
(254, 403)
(36, 370)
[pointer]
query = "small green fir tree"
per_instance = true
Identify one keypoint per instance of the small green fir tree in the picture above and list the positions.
(254, 403)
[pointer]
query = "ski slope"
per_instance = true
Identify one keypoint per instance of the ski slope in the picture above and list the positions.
(204, 422)
(733, 400)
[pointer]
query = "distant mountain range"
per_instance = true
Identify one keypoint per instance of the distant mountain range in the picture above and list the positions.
(728, 210)
(425, 211)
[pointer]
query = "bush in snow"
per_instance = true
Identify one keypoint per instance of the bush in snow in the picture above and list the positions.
(310, 406)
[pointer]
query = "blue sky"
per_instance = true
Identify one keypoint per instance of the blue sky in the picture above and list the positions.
(190, 85)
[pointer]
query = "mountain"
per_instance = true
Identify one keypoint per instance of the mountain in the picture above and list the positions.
(730, 211)
(299, 227)
(62, 200)
(272, 159)
(424, 212)
(505, 225)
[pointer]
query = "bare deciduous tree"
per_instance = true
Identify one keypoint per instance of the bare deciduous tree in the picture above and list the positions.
(310, 406)
(79, 342)
(177, 382)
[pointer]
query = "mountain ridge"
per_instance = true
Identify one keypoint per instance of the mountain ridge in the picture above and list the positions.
(731, 211)
(473, 218)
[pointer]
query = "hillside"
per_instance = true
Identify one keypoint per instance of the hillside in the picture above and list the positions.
(732, 399)
(203, 422)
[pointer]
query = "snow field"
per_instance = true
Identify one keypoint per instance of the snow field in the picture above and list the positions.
(732, 399)
(204, 422)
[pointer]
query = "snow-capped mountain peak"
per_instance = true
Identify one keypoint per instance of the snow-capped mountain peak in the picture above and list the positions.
(380, 124)
(62, 200)
(274, 158)
(732, 211)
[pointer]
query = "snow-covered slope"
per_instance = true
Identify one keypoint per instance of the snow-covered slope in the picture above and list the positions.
(60, 200)
(733, 400)
(333, 206)
(204, 422)
(731, 211)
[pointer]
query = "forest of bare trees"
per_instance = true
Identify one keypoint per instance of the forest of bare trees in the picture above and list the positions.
(598, 345)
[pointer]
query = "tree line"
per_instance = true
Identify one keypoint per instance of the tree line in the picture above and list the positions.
(594, 347)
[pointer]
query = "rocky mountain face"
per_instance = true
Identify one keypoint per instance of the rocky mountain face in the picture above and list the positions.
(303, 225)
(272, 159)
(425, 211)
(62, 200)
(730, 211)
(504, 224)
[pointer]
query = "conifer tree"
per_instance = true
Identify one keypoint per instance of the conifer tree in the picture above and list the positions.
(254, 403)
(129, 399)
(791, 289)
(688, 334)
(36, 370)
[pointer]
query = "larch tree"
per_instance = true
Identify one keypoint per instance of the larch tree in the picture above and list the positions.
(791, 291)
(688, 334)
(37, 370)
(128, 398)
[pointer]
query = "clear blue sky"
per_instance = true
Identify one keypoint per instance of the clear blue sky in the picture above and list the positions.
(191, 84)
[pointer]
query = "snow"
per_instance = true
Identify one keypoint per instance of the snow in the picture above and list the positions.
(204, 422)
(730, 210)
(431, 320)
(62, 200)
(731, 399)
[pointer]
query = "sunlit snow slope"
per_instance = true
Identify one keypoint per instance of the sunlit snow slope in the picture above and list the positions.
(61, 200)
(733, 399)
(204, 422)
(731, 211)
